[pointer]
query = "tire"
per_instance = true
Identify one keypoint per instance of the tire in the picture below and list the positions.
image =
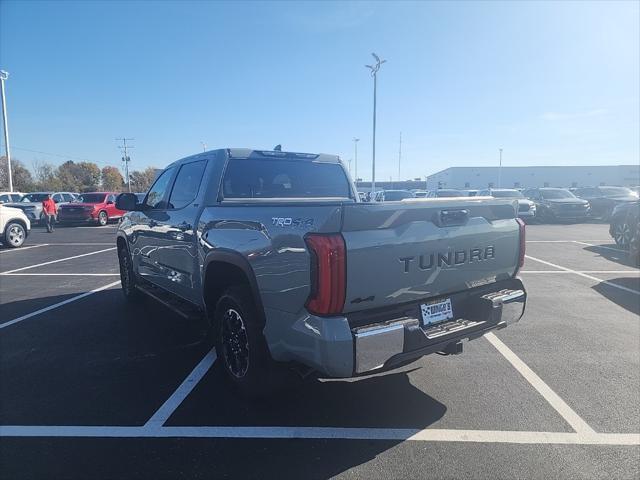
(14, 235)
(103, 218)
(127, 277)
(621, 233)
(240, 344)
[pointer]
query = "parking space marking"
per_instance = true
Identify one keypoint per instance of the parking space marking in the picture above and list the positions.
(56, 305)
(560, 406)
(173, 402)
(79, 244)
(590, 277)
(325, 433)
(56, 261)
(59, 274)
(634, 272)
(599, 246)
(22, 249)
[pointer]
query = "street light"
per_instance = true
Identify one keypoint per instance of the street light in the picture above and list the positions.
(374, 73)
(3, 76)
(355, 145)
(500, 171)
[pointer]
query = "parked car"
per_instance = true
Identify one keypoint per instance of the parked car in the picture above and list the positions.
(446, 192)
(554, 204)
(624, 220)
(14, 226)
(526, 207)
(93, 207)
(419, 193)
(288, 267)
(10, 197)
(604, 199)
(393, 195)
(31, 203)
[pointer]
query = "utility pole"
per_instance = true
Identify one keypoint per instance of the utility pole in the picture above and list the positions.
(355, 145)
(126, 159)
(204, 146)
(399, 157)
(500, 171)
(350, 167)
(374, 73)
(3, 76)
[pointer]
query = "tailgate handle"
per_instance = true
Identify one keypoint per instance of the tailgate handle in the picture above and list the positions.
(449, 218)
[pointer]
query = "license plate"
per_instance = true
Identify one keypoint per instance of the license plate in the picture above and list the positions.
(437, 311)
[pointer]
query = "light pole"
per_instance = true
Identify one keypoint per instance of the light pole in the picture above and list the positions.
(500, 171)
(355, 145)
(204, 146)
(3, 76)
(374, 73)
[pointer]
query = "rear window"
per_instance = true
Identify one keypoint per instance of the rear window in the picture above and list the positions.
(280, 178)
(92, 197)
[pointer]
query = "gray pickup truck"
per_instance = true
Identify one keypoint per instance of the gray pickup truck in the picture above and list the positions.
(290, 268)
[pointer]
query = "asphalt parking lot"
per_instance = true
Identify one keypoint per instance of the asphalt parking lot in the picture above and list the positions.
(93, 388)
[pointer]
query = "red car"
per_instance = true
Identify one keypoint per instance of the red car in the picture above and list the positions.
(93, 207)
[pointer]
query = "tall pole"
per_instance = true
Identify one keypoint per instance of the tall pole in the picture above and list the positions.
(399, 157)
(204, 146)
(500, 171)
(355, 144)
(3, 76)
(374, 73)
(126, 159)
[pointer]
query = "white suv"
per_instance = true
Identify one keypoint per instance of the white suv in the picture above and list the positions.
(14, 226)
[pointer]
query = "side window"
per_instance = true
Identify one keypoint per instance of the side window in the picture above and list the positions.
(57, 198)
(4, 198)
(111, 198)
(67, 197)
(187, 184)
(157, 193)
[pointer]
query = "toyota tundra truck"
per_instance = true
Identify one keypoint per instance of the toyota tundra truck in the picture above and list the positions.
(290, 269)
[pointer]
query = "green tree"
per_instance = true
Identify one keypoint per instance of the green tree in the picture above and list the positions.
(112, 180)
(20, 175)
(141, 180)
(78, 177)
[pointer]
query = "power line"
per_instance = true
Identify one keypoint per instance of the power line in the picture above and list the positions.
(69, 157)
(125, 158)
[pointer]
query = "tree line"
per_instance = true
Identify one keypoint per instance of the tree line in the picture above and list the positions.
(71, 177)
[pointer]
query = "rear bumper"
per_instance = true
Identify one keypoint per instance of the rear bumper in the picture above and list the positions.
(371, 342)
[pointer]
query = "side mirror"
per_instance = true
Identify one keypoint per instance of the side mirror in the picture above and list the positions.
(127, 202)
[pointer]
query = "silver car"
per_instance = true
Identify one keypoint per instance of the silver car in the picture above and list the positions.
(31, 203)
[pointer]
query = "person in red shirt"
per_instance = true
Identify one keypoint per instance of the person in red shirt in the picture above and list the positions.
(50, 210)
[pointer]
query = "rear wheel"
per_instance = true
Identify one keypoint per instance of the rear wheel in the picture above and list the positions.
(103, 218)
(14, 235)
(127, 277)
(621, 233)
(240, 343)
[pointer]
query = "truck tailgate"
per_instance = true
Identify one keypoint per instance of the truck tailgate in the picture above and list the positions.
(400, 252)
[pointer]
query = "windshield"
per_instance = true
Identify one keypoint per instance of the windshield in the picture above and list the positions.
(616, 192)
(556, 193)
(91, 198)
(392, 196)
(34, 197)
(506, 194)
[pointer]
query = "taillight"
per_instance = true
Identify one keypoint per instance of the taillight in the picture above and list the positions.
(523, 242)
(328, 273)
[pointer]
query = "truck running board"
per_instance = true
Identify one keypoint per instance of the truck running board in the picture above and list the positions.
(176, 304)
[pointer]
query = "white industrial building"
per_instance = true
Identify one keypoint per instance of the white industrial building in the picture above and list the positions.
(520, 177)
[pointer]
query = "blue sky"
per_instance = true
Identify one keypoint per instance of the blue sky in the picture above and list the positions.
(549, 82)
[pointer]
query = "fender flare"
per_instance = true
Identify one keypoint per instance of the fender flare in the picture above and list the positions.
(236, 259)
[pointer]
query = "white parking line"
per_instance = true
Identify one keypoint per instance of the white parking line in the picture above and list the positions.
(325, 433)
(76, 244)
(59, 274)
(56, 261)
(634, 272)
(590, 277)
(571, 417)
(56, 305)
(605, 247)
(164, 412)
(22, 249)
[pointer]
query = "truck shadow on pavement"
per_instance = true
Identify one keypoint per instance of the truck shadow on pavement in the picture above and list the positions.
(625, 299)
(611, 252)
